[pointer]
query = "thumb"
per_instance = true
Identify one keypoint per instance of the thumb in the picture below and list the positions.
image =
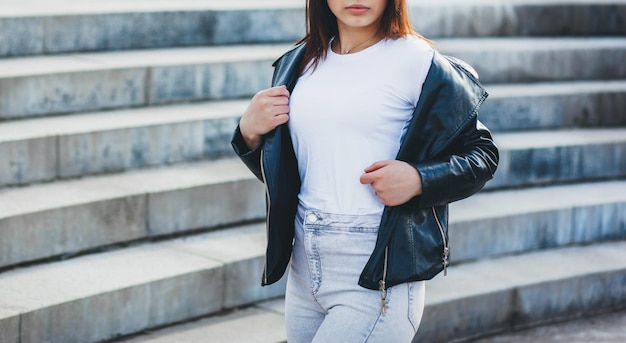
(367, 178)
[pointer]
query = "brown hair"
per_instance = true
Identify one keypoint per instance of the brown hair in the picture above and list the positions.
(322, 26)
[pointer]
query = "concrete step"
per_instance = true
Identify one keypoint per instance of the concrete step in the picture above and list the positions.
(74, 216)
(77, 83)
(544, 157)
(107, 295)
(34, 27)
(492, 224)
(38, 86)
(541, 59)
(606, 327)
(263, 322)
(540, 106)
(45, 149)
(474, 299)
(525, 290)
(62, 219)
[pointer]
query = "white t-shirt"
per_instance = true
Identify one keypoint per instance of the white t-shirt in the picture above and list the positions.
(350, 112)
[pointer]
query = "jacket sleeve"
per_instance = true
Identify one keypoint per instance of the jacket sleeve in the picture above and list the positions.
(251, 158)
(462, 170)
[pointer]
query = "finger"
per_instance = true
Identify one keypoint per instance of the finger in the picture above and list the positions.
(277, 91)
(375, 166)
(367, 178)
(278, 110)
(281, 119)
(280, 100)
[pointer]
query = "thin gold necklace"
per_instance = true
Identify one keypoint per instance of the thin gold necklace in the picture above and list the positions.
(347, 51)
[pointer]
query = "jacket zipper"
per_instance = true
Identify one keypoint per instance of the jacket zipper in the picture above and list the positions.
(267, 215)
(382, 286)
(446, 250)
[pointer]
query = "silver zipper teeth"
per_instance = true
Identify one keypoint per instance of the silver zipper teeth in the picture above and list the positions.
(446, 250)
(267, 215)
(382, 286)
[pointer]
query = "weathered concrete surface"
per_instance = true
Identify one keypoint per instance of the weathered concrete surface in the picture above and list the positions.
(72, 216)
(561, 298)
(83, 82)
(205, 197)
(76, 83)
(9, 326)
(540, 106)
(102, 296)
(475, 299)
(526, 289)
(21, 36)
(499, 60)
(256, 324)
(543, 157)
(44, 149)
(208, 81)
(250, 325)
(205, 206)
(457, 18)
(27, 161)
(117, 150)
(57, 219)
(606, 328)
(94, 143)
(72, 92)
(63, 33)
(516, 221)
(243, 259)
(129, 290)
(36, 27)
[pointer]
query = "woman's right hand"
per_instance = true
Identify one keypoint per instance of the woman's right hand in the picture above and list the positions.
(267, 109)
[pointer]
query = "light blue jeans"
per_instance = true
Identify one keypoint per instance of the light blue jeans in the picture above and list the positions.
(324, 302)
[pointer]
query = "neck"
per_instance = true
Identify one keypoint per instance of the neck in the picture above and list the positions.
(351, 42)
(353, 38)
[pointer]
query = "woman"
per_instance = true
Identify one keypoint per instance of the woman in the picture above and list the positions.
(365, 137)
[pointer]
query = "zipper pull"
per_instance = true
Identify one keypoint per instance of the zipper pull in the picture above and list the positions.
(383, 296)
(446, 253)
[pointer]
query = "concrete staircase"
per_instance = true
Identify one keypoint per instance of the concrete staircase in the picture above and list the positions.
(122, 209)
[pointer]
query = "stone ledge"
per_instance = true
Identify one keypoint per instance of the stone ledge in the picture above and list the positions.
(68, 217)
(503, 60)
(103, 296)
(492, 224)
(105, 142)
(474, 299)
(541, 106)
(544, 157)
(44, 27)
(498, 295)
(250, 325)
(84, 82)
(78, 83)
(111, 209)
(604, 327)
(45, 149)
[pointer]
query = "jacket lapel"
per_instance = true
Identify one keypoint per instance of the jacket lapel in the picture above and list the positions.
(449, 101)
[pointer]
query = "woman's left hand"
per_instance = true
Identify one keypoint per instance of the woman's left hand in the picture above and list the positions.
(394, 182)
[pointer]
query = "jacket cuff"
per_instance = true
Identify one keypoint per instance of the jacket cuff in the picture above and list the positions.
(436, 184)
(241, 148)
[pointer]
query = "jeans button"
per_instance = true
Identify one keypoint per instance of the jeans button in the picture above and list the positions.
(311, 218)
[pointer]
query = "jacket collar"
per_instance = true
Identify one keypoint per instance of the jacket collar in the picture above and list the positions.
(286, 67)
(450, 99)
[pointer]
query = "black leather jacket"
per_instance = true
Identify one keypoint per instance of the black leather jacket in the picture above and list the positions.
(452, 151)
